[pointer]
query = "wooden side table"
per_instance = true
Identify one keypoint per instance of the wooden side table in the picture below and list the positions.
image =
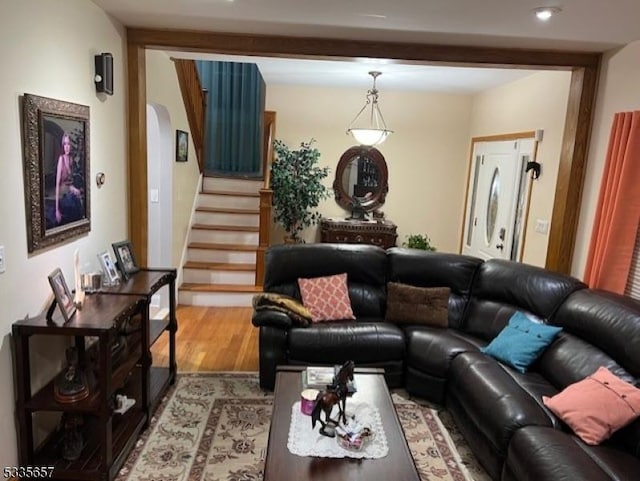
(380, 233)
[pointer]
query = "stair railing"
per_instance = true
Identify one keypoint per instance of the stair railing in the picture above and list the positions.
(266, 194)
(195, 103)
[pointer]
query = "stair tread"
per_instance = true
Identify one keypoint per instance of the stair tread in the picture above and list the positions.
(190, 286)
(222, 247)
(230, 193)
(220, 266)
(240, 228)
(227, 210)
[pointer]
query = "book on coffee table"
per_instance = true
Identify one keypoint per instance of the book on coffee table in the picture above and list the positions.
(320, 377)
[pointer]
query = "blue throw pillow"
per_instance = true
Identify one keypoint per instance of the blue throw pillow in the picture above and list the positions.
(521, 342)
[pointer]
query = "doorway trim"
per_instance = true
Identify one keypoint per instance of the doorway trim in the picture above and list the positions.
(584, 68)
(160, 203)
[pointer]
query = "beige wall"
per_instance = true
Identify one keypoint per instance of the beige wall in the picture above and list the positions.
(535, 102)
(47, 49)
(617, 92)
(163, 89)
(426, 156)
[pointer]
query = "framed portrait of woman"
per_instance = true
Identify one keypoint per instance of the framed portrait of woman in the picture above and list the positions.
(56, 160)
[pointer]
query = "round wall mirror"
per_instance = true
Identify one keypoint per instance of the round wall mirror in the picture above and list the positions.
(361, 181)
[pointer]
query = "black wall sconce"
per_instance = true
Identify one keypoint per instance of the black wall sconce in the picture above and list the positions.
(104, 73)
(536, 167)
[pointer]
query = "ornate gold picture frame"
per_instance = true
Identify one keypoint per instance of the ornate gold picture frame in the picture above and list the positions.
(56, 171)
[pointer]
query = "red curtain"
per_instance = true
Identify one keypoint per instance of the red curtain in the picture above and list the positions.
(618, 212)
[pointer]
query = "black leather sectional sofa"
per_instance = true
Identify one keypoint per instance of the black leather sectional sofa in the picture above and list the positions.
(499, 410)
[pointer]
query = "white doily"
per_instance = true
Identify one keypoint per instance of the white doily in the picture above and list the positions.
(305, 441)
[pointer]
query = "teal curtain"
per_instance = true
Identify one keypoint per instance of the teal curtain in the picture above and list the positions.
(235, 113)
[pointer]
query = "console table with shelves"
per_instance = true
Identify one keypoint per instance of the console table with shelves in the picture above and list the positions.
(146, 283)
(108, 436)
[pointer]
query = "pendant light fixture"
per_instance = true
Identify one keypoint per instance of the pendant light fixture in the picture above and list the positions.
(369, 127)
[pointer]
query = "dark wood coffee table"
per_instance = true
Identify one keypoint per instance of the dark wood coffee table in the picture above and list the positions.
(281, 465)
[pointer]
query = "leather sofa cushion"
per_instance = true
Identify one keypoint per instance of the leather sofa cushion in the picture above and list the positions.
(431, 350)
(536, 386)
(496, 404)
(417, 305)
(365, 266)
(361, 341)
(501, 287)
(570, 359)
(542, 453)
(435, 269)
(607, 321)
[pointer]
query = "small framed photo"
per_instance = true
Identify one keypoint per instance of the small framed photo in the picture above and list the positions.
(126, 260)
(182, 146)
(63, 296)
(109, 268)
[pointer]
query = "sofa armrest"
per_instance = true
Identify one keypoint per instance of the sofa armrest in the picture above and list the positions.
(272, 318)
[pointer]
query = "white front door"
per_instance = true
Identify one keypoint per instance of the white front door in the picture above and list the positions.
(496, 198)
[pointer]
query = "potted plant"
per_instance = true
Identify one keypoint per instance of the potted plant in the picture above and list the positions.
(419, 241)
(296, 181)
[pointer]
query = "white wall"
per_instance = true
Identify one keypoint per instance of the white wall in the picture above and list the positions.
(617, 92)
(163, 89)
(426, 155)
(535, 102)
(47, 49)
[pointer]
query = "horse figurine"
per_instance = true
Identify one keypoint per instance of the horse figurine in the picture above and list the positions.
(335, 394)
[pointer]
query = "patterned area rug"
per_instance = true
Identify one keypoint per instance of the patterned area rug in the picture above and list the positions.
(214, 427)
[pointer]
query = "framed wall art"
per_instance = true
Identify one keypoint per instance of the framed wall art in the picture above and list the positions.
(56, 170)
(126, 260)
(63, 296)
(182, 146)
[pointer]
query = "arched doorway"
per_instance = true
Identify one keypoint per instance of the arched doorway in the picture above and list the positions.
(160, 198)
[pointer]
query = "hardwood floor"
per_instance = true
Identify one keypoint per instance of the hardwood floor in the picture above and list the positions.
(212, 339)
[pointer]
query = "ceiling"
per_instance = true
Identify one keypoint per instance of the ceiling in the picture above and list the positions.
(582, 25)
(395, 76)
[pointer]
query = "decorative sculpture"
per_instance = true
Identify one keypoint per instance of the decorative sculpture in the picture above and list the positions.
(72, 440)
(71, 384)
(358, 212)
(335, 394)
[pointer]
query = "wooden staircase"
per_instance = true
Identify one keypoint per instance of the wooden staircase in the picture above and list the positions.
(230, 234)
(221, 254)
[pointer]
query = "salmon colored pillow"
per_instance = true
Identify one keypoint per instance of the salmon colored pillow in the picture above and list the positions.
(326, 297)
(597, 406)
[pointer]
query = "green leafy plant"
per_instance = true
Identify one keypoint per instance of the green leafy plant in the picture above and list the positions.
(296, 181)
(419, 241)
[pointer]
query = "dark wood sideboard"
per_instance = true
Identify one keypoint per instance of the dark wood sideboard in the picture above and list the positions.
(380, 233)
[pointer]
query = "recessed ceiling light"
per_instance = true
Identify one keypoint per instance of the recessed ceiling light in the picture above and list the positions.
(545, 13)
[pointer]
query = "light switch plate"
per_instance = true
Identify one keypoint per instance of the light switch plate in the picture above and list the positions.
(2, 261)
(542, 226)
